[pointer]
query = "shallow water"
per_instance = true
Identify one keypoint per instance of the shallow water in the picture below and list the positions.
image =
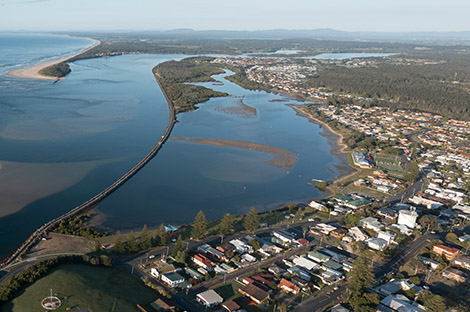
(110, 112)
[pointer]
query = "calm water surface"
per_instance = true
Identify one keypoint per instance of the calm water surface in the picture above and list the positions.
(108, 114)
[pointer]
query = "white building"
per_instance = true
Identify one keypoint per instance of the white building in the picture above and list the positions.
(306, 263)
(408, 218)
(317, 206)
(173, 279)
(358, 234)
(387, 236)
(376, 243)
(209, 298)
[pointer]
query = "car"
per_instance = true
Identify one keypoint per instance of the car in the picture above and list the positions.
(174, 240)
(151, 256)
(336, 288)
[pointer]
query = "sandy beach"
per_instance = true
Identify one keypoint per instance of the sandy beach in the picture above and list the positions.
(281, 158)
(32, 72)
(339, 148)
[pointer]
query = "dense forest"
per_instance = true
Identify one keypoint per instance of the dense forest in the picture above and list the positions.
(58, 70)
(442, 88)
(175, 76)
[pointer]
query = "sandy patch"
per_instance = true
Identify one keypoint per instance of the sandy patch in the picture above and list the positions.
(24, 183)
(240, 109)
(32, 72)
(281, 158)
(60, 244)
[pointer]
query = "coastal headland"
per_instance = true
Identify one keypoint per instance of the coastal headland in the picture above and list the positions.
(33, 72)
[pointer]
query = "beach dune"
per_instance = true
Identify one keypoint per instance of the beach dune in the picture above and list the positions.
(32, 72)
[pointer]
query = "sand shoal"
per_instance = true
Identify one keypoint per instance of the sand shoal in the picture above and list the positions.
(32, 72)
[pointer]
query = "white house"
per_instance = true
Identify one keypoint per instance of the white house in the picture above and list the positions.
(376, 243)
(209, 298)
(173, 279)
(305, 263)
(317, 206)
(358, 234)
(371, 223)
(408, 218)
(387, 236)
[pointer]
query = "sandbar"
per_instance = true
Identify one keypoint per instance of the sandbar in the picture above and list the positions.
(281, 158)
(240, 109)
(32, 72)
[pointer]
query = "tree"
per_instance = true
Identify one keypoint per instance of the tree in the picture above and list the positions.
(251, 220)
(226, 225)
(199, 229)
(298, 214)
(161, 235)
(432, 303)
(361, 279)
(97, 246)
(254, 243)
(428, 222)
(178, 246)
(412, 172)
(178, 252)
(145, 241)
(131, 242)
(118, 248)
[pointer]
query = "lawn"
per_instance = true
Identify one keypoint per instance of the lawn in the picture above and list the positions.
(94, 288)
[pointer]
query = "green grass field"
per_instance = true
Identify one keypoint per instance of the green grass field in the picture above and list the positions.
(95, 288)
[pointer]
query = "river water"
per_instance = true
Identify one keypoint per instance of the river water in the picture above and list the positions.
(62, 143)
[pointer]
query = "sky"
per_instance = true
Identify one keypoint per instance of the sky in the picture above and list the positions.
(347, 15)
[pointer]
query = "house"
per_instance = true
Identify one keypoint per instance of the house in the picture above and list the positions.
(408, 218)
(339, 233)
(390, 288)
(318, 256)
(203, 262)
(386, 236)
(301, 283)
(465, 238)
(316, 205)
(209, 298)
(463, 262)
(193, 274)
(376, 243)
(286, 238)
(371, 223)
(432, 263)
(172, 279)
(254, 293)
(387, 213)
(240, 246)
(449, 253)
(330, 264)
(400, 303)
(347, 266)
(358, 234)
(161, 306)
(305, 263)
(339, 308)
(325, 228)
(230, 306)
(299, 272)
(334, 254)
(454, 274)
(288, 287)
(207, 249)
(274, 269)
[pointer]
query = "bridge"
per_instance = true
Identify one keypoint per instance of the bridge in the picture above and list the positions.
(41, 232)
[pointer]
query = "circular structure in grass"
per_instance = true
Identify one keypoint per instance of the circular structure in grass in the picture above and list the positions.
(51, 302)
